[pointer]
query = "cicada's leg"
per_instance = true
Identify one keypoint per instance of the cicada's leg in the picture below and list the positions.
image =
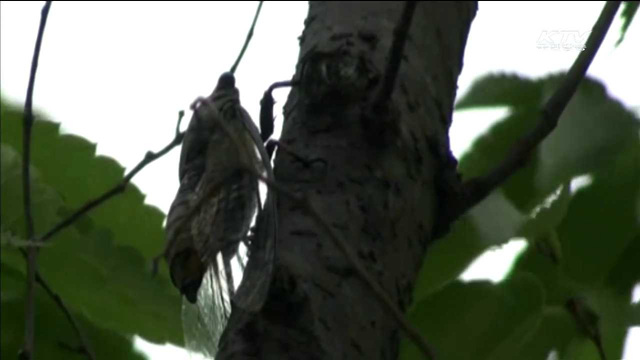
(266, 110)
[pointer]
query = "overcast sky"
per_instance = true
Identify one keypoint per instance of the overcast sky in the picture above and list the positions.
(118, 73)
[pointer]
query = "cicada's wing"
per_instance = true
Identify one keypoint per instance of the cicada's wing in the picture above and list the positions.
(259, 270)
(204, 321)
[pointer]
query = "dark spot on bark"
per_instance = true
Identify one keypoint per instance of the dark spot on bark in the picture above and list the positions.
(410, 106)
(362, 208)
(355, 181)
(340, 36)
(355, 345)
(342, 271)
(372, 256)
(370, 38)
(303, 233)
(324, 324)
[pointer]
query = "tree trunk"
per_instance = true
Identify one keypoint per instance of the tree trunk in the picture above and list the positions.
(376, 173)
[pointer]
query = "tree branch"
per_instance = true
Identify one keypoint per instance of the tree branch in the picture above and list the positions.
(305, 202)
(121, 186)
(32, 252)
(400, 34)
(246, 41)
(476, 189)
(411, 332)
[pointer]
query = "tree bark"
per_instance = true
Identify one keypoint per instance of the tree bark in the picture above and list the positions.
(376, 172)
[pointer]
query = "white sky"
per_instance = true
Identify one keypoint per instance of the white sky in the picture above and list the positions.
(118, 73)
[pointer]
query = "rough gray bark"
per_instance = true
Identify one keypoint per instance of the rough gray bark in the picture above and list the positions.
(377, 176)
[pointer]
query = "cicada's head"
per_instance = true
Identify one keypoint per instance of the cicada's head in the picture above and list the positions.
(187, 272)
(226, 82)
(225, 92)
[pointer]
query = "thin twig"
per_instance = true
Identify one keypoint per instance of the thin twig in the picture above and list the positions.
(246, 41)
(378, 291)
(400, 34)
(67, 313)
(32, 252)
(65, 310)
(119, 187)
(475, 190)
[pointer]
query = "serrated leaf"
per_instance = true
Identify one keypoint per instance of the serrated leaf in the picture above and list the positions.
(546, 217)
(602, 219)
(68, 164)
(478, 320)
(600, 240)
(493, 222)
(555, 331)
(592, 130)
(110, 282)
(502, 89)
(53, 330)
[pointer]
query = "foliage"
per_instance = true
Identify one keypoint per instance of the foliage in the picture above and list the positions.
(100, 266)
(584, 242)
(629, 9)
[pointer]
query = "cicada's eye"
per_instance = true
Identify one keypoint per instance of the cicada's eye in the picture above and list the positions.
(226, 82)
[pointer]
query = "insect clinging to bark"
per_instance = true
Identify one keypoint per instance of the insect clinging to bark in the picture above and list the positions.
(213, 209)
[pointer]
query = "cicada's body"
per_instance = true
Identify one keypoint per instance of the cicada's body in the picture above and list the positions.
(212, 213)
(218, 197)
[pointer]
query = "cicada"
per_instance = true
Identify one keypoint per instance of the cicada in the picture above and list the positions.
(211, 216)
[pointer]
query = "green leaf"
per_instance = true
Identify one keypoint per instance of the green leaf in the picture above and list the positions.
(612, 313)
(556, 330)
(602, 219)
(634, 319)
(110, 282)
(492, 222)
(625, 274)
(52, 327)
(591, 132)
(68, 164)
(601, 246)
(502, 90)
(478, 320)
(629, 9)
(547, 216)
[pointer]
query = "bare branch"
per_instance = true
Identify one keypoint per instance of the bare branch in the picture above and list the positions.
(32, 252)
(400, 34)
(475, 190)
(121, 186)
(246, 42)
